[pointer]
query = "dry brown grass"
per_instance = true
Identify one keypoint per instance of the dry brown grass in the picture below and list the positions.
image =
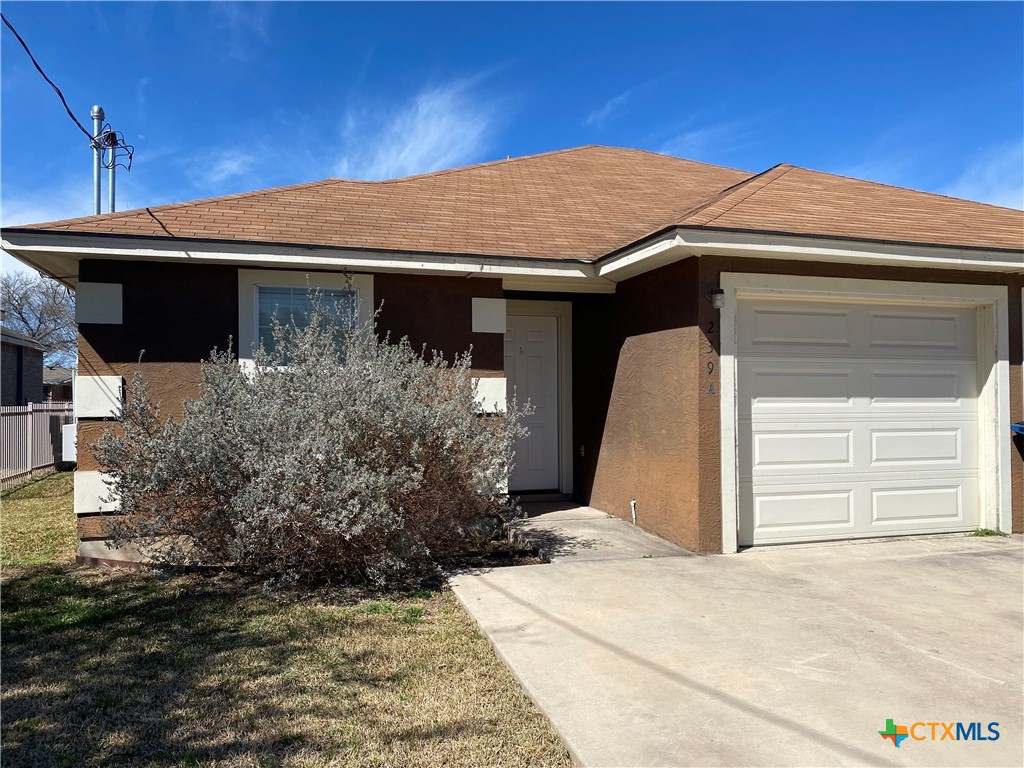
(117, 668)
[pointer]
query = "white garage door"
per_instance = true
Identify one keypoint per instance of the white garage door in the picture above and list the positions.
(855, 420)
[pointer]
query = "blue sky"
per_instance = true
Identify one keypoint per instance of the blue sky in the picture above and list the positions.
(227, 97)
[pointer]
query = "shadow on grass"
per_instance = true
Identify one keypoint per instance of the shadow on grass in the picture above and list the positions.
(115, 668)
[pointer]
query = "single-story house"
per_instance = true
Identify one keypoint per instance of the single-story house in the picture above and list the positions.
(58, 383)
(21, 368)
(740, 359)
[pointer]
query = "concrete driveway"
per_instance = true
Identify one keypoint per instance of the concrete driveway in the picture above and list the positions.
(643, 655)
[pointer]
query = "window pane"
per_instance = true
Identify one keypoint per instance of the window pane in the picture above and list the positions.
(292, 306)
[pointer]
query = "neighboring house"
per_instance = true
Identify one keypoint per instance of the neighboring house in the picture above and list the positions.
(742, 358)
(57, 383)
(21, 369)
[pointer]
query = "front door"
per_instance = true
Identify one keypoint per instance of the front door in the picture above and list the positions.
(531, 372)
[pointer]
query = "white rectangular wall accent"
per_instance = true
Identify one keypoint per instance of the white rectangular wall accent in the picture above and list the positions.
(489, 315)
(98, 397)
(90, 493)
(100, 551)
(491, 395)
(98, 303)
(69, 443)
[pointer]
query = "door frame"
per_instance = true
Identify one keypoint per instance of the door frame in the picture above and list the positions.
(993, 349)
(562, 312)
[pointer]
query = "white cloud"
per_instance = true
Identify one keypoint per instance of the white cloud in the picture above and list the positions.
(441, 127)
(140, 97)
(213, 167)
(600, 116)
(245, 28)
(994, 176)
(67, 198)
(710, 142)
(64, 202)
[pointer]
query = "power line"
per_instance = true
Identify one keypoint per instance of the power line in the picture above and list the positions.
(107, 140)
(63, 101)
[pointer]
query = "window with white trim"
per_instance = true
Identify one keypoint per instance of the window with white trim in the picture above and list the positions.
(292, 305)
(286, 291)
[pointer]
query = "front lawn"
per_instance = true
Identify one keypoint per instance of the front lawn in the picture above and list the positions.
(105, 667)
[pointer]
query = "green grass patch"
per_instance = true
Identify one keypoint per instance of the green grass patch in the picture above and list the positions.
(987, 532)
(38, 525)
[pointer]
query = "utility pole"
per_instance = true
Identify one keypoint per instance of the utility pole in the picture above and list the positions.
(97, 160)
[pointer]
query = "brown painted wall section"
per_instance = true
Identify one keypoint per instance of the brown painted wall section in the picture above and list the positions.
(437, 312)
(178, 313)
(636, 403)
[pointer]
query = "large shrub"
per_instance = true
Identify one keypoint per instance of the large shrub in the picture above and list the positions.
(337, 456)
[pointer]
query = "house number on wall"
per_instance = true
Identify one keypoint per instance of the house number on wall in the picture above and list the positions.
(711, 350)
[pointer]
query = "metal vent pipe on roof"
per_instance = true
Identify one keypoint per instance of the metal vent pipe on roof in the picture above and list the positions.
(97, 158)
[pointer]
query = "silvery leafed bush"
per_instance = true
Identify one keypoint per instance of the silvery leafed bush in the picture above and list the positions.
(338, 456)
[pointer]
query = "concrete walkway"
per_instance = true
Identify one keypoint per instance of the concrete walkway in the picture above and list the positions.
(643, 655)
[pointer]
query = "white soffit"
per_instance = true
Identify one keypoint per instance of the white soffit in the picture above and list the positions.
(683, 243)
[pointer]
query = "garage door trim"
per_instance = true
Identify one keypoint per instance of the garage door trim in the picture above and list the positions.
(993, 366)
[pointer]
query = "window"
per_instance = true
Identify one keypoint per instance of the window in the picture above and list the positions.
(293, 305)
(287, 292)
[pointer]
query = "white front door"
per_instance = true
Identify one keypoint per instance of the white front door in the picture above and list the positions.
(531, 372)
(855, 419)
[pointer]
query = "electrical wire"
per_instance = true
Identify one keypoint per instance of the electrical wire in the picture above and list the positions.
(119, 144)
(100, 141)
(47, 79)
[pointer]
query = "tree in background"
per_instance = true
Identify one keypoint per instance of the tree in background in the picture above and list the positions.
(43, 310)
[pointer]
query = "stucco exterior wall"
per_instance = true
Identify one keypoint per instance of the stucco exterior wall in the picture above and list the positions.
(636, 400)
(437, 312)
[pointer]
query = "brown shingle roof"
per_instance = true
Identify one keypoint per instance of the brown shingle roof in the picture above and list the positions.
(578, 203)
(572, 204)
(799, 201)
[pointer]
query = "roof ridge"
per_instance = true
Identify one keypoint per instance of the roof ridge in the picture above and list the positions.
(484, 164)
(474, 166)
(674, 157)
(906, 189)
(767, 177)
(183, 204)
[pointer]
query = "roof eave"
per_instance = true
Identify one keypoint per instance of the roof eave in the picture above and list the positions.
(58, 254)
(679, 242)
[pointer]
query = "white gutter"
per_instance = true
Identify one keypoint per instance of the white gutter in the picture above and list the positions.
(682, 243)
(60, 252)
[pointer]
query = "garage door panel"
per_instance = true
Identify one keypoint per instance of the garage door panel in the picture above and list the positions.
(802, 449)
(935, 333)
(939, 504)
(874, 436)
(786, 448)
(920, 388)
(779, 514)
(777, 324)
(900, 445)
(799, 387)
